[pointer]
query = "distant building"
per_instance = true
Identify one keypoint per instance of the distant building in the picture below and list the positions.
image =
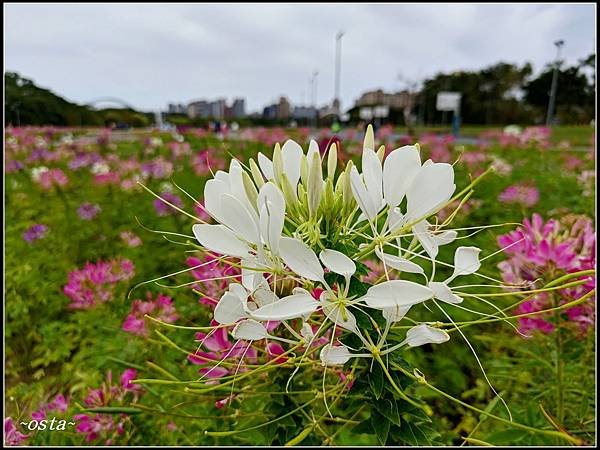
(176, 108)
(198, 109)
(397, 100)
(305, 113)
(217, 109)
(283, 109)
(238, 108)
(278, 111)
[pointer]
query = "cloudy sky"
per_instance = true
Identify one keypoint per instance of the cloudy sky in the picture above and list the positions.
(152, 54)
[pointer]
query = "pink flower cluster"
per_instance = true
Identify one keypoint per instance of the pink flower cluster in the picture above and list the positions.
(529, 137)
(438, 146)
(108, 427)
(547, 250)
(161, 308)
(164, 209)
(95, 282)
(521, 194)
(51, 178)
(210, 273)
(12, 435)
(130, 239)
(59, 404)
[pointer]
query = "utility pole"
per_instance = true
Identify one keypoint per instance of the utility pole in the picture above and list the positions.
(338, 68)
(552, 101)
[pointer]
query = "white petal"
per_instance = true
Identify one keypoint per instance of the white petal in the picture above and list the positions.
(431, 189)
(361, 195)
(424, 334)
(222, 176)
(466, 261)
(250, 330)
(291, 153)
(445, 237)
(395, 219)
(306, 332)
(334, 356)
(398, 263)
(251, 278)
(290, 307)
(230, 309)
(425, 238)
(343, 318)
(396, 293)
(373, 176)
(236, 216)
(271, 205)
(220, 239)
(313, 148)
(213, 190)
(266, 166)
(444, 293)
(300, 258)
(236, 184)
(399, 170)
(337, 262)
(395, 313)
(263, 296)
(369, 141)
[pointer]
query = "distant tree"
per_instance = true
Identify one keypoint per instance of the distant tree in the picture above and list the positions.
(489, 96)
(28, 104)
(575, 95)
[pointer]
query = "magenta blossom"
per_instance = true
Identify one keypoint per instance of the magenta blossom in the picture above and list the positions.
(220, 348)
(522, 194)
(95, 282)
(164, 209)
(130, 239)
(35, 232)
(540, 249)
(87, 211)
(213, 277)
(12, 436)
(51, 178)
(107, 427)
(160, 308)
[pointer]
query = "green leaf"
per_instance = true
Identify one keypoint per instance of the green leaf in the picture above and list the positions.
(376, 380)
(381, 427)
(114, 410)
(412, 434)
(389, 408)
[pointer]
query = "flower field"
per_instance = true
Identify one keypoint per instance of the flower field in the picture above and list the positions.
(355, 289)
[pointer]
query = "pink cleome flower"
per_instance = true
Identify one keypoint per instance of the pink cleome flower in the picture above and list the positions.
(539, 250)
(95, 282)
(522, 194)
(161, 308)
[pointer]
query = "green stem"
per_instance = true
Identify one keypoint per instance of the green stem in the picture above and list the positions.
(559, 365)
(553, 433)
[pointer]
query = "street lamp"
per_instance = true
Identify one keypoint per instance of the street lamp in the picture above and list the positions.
(338, 63)
(552, 101)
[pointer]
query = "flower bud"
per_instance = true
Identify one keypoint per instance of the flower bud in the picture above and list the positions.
(277, 163)
(250, 189)
(315, 184)
(332, 161)
(256, 174)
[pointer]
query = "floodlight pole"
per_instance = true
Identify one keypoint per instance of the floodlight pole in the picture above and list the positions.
(552, 101)
(338, 64)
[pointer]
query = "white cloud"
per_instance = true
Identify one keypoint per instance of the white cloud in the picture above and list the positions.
(151, 54)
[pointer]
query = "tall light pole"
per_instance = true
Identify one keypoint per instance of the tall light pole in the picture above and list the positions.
(315, 79)
(338, 68)
(552, 101)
